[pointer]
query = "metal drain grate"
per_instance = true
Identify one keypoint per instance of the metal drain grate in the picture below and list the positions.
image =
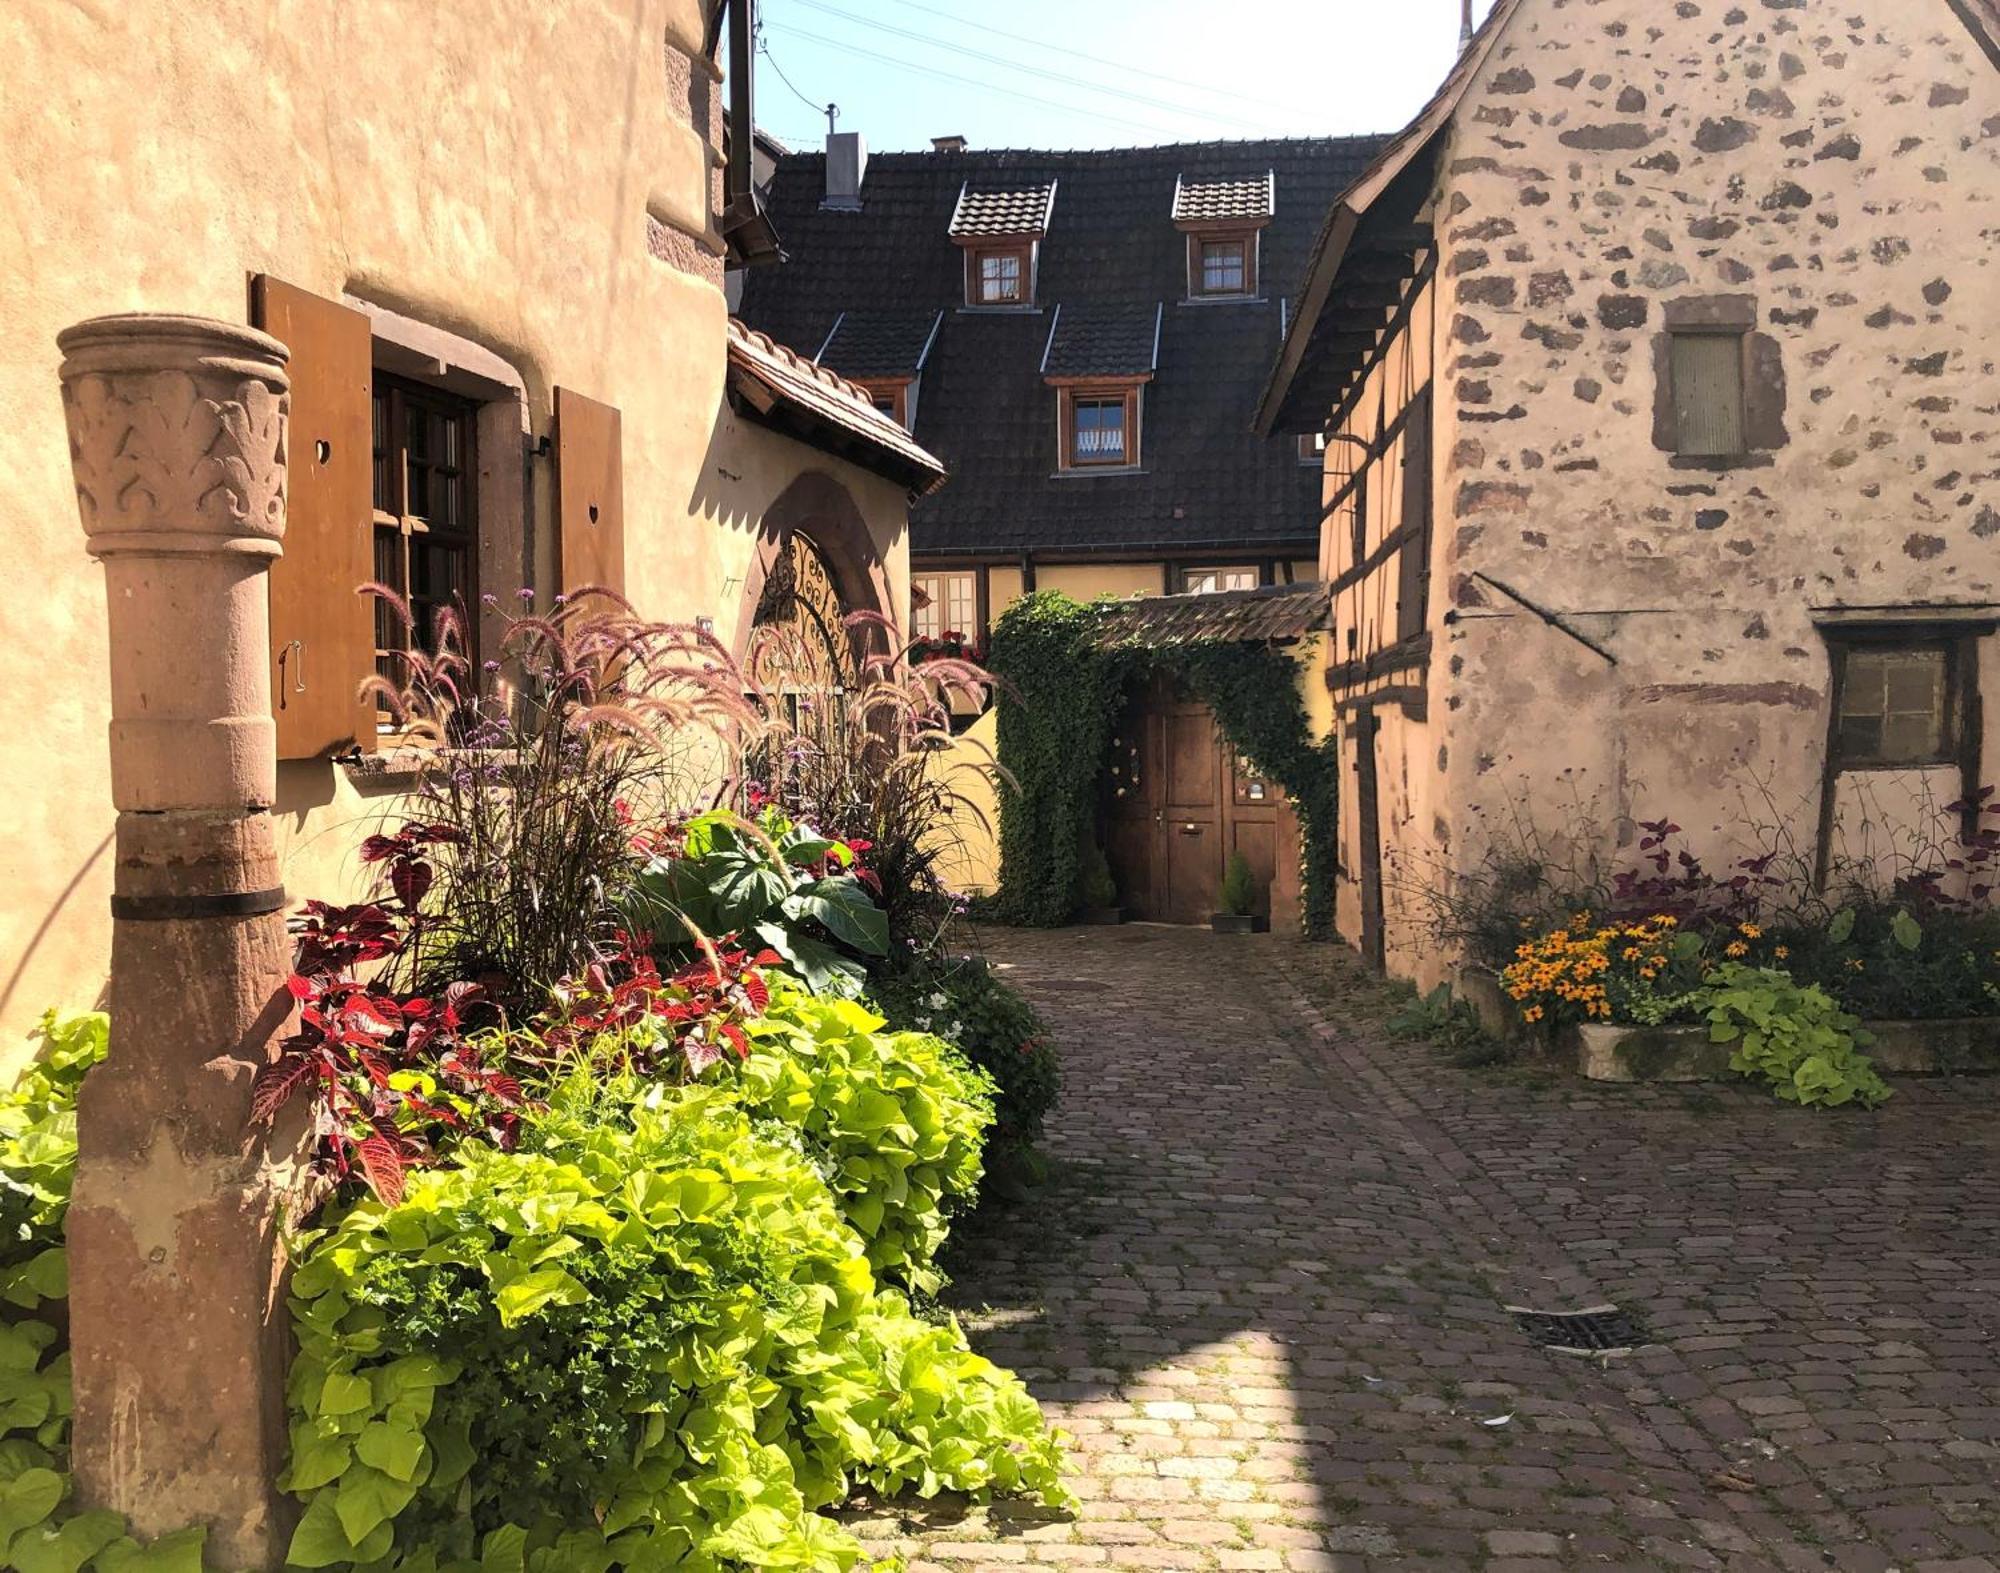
(1596, 1329)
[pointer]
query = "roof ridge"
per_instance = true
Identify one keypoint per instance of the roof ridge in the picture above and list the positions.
(970, 155)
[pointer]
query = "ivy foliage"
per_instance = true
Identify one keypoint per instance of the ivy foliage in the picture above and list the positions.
(40, 1530)
(1061, 693)
(652, 1336)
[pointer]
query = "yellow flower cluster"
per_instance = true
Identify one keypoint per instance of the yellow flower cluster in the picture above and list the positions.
(1568, 967)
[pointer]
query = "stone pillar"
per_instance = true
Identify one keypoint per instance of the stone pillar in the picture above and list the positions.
(178, 1328)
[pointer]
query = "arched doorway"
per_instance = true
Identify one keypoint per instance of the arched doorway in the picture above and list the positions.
(800, 640)
(815, 565)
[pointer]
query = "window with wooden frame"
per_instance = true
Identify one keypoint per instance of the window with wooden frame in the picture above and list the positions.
(891, 398)
(1206, 581)
(426, 534)
(999, 275)
(1100, 426)
(1900, 700)
(1312, 448)
(1222, 264)
(943, 604)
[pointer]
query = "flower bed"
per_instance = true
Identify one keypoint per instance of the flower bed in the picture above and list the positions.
(1948, 1046)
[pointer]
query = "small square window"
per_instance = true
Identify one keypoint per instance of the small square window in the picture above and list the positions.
(1312, 448)
(1000, 276)
(1098, 431)
(1223, 267)
(1895, 706)
(945, 609)
(1707, 373)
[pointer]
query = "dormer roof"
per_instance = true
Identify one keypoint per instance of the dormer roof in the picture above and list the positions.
(1249, 201)
(880, 344)
(997, 212)
(1091, 340)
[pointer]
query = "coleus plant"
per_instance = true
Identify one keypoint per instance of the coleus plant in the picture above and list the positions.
(391, 1074)
(397, 1075)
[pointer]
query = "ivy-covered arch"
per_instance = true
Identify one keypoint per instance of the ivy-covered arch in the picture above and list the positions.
(1062, 686)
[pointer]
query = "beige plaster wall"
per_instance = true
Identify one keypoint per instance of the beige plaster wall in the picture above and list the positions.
(1087, 581)
(1838, 163)
(524, 176)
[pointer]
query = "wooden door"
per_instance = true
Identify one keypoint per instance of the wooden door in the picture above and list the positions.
(1368, 813)
(1133, 806)
(1176, 802)
(1191, 827)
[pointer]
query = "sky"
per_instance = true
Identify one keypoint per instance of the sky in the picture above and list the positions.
(1098, 73)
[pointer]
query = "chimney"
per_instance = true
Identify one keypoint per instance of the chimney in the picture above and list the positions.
(1465, 25)
(952, 144)
(846, 163)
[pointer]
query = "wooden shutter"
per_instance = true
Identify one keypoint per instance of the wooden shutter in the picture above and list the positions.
(1413, 588)
(590, 482)
(322, 632)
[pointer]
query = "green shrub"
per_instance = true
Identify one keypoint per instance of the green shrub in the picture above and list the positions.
(648, 1339)
(895, 1119)
(1795, 1037)
(1238, 895)
(964, 1002)
(37, 1169)
(1099, 889)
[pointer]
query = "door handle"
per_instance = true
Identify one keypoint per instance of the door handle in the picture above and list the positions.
(298, 673)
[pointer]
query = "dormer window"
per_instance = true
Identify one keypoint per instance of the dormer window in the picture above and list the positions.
(883, 353)
(1000, 232)
(1000, 275)
(1099, 360)
(1224, 221)
(1225, 265)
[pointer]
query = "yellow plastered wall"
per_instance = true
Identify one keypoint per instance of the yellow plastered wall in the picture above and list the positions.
(487, 167)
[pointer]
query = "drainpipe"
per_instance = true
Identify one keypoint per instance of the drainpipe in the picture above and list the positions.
(178, 1327)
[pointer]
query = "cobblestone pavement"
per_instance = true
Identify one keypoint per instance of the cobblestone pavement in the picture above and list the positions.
(1265, 1291)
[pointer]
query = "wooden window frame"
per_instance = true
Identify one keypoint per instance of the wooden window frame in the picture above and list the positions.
(1183, 570)
(1760, 381)
(976, 629)
(1311, 449)
(896, 390)
(1961, 691)
(1197, 273)
(1024, 251)
(403, 392)
(1095, 393)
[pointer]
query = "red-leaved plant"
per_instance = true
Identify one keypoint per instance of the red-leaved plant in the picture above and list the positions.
(392, 1075)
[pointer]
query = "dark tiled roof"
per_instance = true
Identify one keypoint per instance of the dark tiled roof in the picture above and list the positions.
(1000, 210)
(880, 343)
(802, 397)
(1279, 611)
(1092, 340)
(1204, 201)
(1208, 483)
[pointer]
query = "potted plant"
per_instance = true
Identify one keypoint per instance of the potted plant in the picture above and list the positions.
(1100, 890)
(1237, 900)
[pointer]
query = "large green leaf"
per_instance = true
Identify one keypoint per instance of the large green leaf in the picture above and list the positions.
(842, 906)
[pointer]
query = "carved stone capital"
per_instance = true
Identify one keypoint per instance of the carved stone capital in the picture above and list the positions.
(177, 432)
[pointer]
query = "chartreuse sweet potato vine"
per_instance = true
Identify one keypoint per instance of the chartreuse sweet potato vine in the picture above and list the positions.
(40, 1529)
(650, 1338)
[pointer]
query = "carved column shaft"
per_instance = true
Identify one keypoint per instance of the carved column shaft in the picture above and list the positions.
(177, 1324)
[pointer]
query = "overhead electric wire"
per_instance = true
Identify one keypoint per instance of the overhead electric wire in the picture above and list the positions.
(1147, 101)
(953, 76)
(1079, 54)
(764, 49)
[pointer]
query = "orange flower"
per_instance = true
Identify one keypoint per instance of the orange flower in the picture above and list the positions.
(1736, 947)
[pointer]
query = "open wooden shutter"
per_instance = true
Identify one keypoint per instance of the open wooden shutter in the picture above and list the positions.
(590, 482)
(322, 633)
(1414, 578)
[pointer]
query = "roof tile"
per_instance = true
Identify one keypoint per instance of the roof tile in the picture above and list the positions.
(1205, 201)
(1002, 210)
(1094, 340)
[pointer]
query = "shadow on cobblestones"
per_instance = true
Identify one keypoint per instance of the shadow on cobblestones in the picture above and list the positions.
(1265, 1284)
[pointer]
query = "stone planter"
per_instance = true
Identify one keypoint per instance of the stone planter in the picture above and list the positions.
(1237, 923)
(1101, 917)
(1956, 1045)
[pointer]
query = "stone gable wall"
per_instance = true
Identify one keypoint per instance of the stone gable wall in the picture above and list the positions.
(1834, 167)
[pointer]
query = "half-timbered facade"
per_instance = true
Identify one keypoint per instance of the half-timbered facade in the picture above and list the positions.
(1662, 472)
